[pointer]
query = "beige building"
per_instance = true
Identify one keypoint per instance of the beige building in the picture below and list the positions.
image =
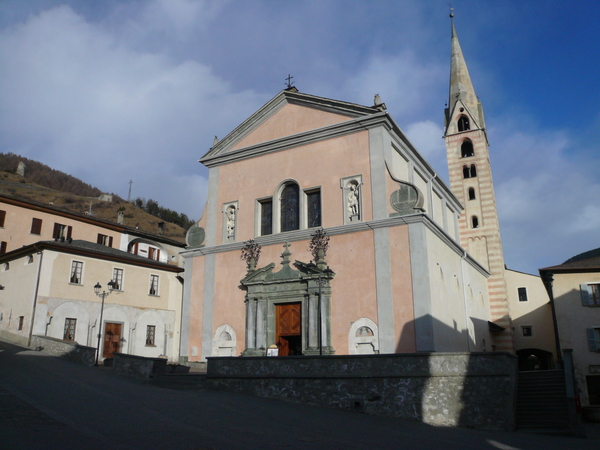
(532, 323)
(24, 222)
(574, 289)
(48, 290)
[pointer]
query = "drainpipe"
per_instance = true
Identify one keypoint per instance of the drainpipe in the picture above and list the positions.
(35, 296)
(47, 325)
(548, 280)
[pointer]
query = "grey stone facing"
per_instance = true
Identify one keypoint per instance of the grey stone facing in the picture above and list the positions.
(65, 349)
(377, 139)
(212, 207)
(385, 300)
(184, 332)
(209, 307)
(475, 390)
(139, 367)
(424, 336)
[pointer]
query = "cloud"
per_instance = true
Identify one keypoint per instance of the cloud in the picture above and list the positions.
(80, 100)
(548, 204)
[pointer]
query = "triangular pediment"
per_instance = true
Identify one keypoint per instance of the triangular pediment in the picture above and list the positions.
(289, 113)
(455, 113)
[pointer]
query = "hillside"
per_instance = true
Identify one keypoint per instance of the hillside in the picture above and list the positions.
(11, 183)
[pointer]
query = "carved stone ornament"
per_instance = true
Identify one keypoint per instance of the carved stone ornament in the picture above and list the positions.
(406, 200)
(195, 236)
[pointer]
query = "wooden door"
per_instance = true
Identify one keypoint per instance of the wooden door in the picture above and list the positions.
(289, 326)
(112, 339)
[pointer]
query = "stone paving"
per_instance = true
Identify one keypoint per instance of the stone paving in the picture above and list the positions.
(48, 403)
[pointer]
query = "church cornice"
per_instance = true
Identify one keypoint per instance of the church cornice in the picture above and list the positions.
(305, 235)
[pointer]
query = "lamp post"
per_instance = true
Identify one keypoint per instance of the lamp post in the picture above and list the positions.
(102, 295)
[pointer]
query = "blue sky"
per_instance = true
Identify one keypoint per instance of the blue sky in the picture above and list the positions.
(112, 90)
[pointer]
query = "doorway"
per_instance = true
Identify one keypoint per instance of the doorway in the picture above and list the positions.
(112, 339)
(288, 330)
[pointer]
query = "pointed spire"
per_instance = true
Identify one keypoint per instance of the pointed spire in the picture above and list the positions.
(460, 81)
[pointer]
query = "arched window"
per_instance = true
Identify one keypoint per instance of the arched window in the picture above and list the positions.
(463, 123)
(471, 194)
(474, 222)
(466, 149)
(469, 171)
(290, 207)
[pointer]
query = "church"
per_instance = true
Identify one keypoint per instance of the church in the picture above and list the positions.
(326, 232)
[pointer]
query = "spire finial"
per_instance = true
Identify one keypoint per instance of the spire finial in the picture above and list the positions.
(451, 10)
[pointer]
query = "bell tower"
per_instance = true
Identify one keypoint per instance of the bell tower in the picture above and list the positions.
(471, 181)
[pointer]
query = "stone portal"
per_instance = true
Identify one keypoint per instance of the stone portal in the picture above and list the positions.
(290, 308)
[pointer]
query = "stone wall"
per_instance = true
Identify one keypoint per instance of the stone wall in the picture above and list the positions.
(139, 367)
(65, 349)
(450, 389)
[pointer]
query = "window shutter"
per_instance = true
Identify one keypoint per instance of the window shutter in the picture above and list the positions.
(158, 255)
(69, 231)
(36, 226)
(592, 340)
(2, 217)
(585, 294)
(135, 248)
(110, 241)
(56, 231)
(2, 248)
(99, 240)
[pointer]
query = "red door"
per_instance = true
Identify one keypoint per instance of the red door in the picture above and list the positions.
(112, 339)
(289, 328)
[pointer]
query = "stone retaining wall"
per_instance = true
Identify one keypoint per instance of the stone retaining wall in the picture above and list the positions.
(451, 389)
(65, 349)
(139, 367)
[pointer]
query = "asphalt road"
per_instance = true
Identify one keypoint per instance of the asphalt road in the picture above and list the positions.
(48, 403)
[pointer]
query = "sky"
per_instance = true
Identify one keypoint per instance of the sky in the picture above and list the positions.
(118, 90)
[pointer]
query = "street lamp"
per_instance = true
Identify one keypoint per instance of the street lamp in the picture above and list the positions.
(327, 272)
(102, 295)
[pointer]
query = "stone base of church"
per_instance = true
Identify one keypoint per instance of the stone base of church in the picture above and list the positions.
(254, 352)
(328, 350)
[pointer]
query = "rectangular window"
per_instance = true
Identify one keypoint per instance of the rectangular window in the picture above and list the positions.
(76, 269)
(266, 217)
(150, 334)
(62, 231)
(104, 240)
(153, 285)
(527, 330)
(522, 294)
(69, 334)
(2, 247)
(590, 294)
(313, 202)
(118, 279)
(2, 218)
(36, 226)
(21, 320)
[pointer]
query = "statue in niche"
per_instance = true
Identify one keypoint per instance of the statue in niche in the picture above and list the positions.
(353, 201)
(230, 214)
